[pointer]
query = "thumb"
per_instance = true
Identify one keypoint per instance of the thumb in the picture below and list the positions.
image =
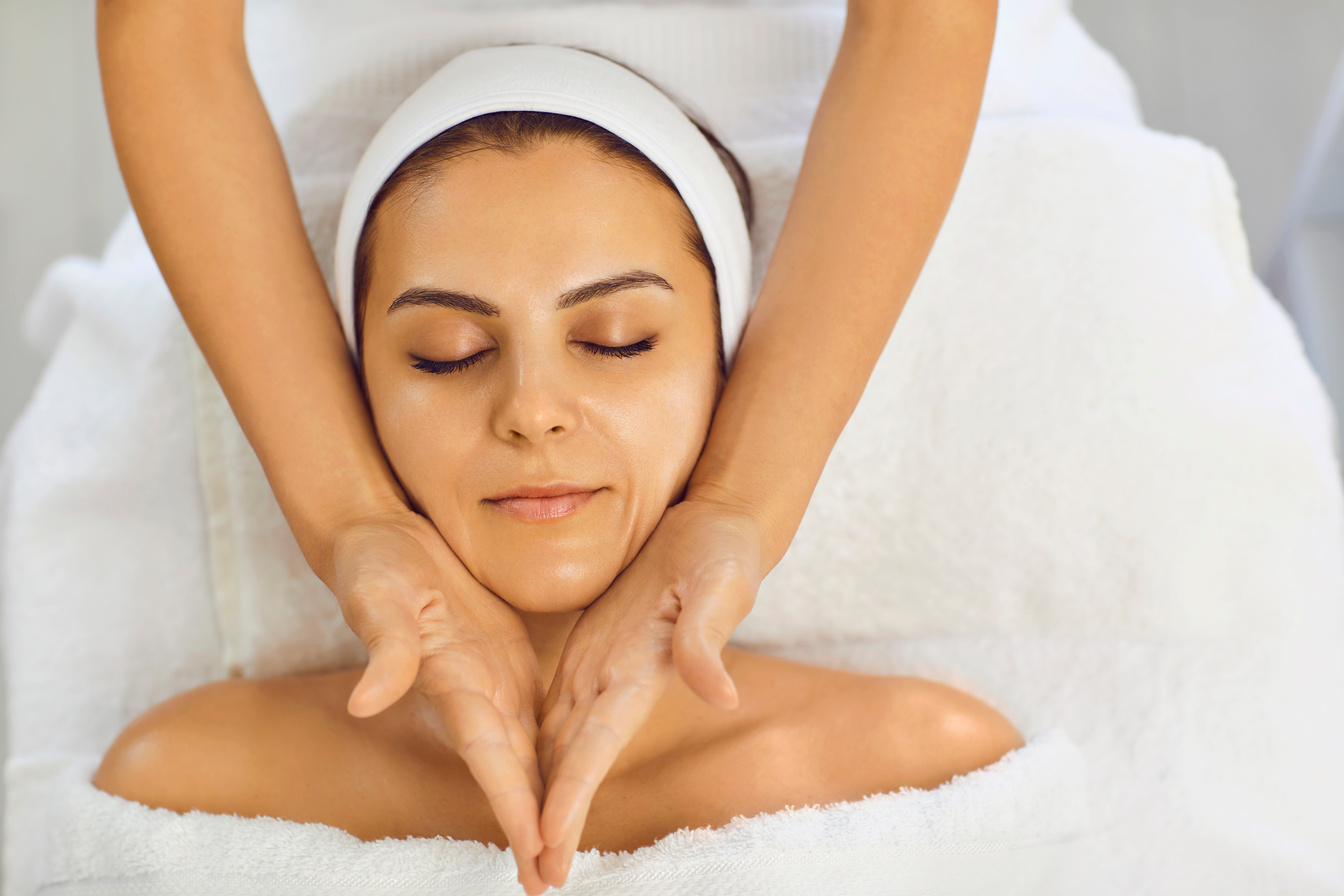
(707, 620)
(392, 639)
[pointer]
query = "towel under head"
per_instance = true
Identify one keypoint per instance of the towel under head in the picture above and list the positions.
(565, 81)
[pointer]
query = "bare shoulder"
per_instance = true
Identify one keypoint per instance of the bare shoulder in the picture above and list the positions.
(219, 747)
(874, 733)
(920, 733)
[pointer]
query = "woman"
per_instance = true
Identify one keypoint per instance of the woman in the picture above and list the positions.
(209, 184)
(542, 323)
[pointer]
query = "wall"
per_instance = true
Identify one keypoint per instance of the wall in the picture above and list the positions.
(1245, 76)
(60, 190)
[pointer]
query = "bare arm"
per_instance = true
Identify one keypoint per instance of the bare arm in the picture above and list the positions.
(210, 186)
(882, 162)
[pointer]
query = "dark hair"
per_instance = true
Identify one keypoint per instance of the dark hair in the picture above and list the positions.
(517, 132)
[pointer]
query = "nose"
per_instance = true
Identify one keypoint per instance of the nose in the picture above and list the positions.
(535, 404)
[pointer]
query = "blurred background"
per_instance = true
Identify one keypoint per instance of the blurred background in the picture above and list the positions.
(1252, 78)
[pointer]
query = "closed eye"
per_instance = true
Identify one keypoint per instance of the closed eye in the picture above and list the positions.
(445, 367)
(621, 351)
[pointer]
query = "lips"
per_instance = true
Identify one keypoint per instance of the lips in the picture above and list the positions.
(542, 503)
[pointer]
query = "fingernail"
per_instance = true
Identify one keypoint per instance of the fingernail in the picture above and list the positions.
(558, 835)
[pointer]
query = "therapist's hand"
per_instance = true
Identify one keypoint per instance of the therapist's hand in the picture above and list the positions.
(674, 606)
(428, 623)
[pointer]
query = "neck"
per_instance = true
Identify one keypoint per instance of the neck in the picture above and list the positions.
(548, 632)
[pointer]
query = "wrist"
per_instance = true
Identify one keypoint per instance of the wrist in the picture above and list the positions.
(319, 525)
(773, 527)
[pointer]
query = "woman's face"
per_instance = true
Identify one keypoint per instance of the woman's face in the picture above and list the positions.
(541, 358)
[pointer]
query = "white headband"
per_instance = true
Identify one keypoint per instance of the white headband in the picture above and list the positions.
(541, 78)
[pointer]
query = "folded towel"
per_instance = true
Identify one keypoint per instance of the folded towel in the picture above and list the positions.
(1015, 827)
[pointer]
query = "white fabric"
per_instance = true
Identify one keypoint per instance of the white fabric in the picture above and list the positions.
(1091, 479)
(1042, 63)
(548, 78)
(1011, 828)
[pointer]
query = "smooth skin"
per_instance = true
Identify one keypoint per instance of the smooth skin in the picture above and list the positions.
(209, 184)
(514, 388)
(286, 748)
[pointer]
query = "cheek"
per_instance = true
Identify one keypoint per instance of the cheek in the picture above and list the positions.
(659, 429)
(426, 433)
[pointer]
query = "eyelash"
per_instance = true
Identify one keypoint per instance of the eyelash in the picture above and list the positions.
(607, 351)
(622, 351)
(444, 367)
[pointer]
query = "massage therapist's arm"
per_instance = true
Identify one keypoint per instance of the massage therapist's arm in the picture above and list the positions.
(210, 186)
(883, 159)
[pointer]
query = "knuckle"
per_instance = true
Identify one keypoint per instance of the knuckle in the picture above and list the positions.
(489, 739)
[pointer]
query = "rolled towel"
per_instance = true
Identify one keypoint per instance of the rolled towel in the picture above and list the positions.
(1017, 826)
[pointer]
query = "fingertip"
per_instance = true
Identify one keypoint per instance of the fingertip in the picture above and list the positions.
(554, 865)
(367, 699)
(720, 693)
(726, 687)
(556, 838)
(547, 823)
(704, 672)
(727, 693)
(530, 843)
(387, 677)
(529, 875)
(554, 829)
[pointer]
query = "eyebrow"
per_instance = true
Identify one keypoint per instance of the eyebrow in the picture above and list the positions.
(461, 301)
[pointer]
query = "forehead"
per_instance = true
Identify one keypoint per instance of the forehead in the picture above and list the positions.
(494, 221)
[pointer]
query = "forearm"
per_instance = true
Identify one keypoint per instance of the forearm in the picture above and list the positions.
(209, 184)
(882, 162)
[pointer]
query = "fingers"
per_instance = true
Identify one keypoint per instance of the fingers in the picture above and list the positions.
(600, 730)
(708, 619)
(529, 875)
(581, 762)
(522, 742)
(389, 633)
(554, 862)
(548, 735)
(503, 764)
(569, 796)
(528, 676)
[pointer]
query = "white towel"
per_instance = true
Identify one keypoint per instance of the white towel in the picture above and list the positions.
(1108, 498)
(1015, 827)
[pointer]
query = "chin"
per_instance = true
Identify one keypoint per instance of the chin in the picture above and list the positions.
(566, 589)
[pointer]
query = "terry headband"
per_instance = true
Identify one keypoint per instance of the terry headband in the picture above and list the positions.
(568, 82)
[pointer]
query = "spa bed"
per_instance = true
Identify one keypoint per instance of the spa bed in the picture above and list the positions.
(1093, 481)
